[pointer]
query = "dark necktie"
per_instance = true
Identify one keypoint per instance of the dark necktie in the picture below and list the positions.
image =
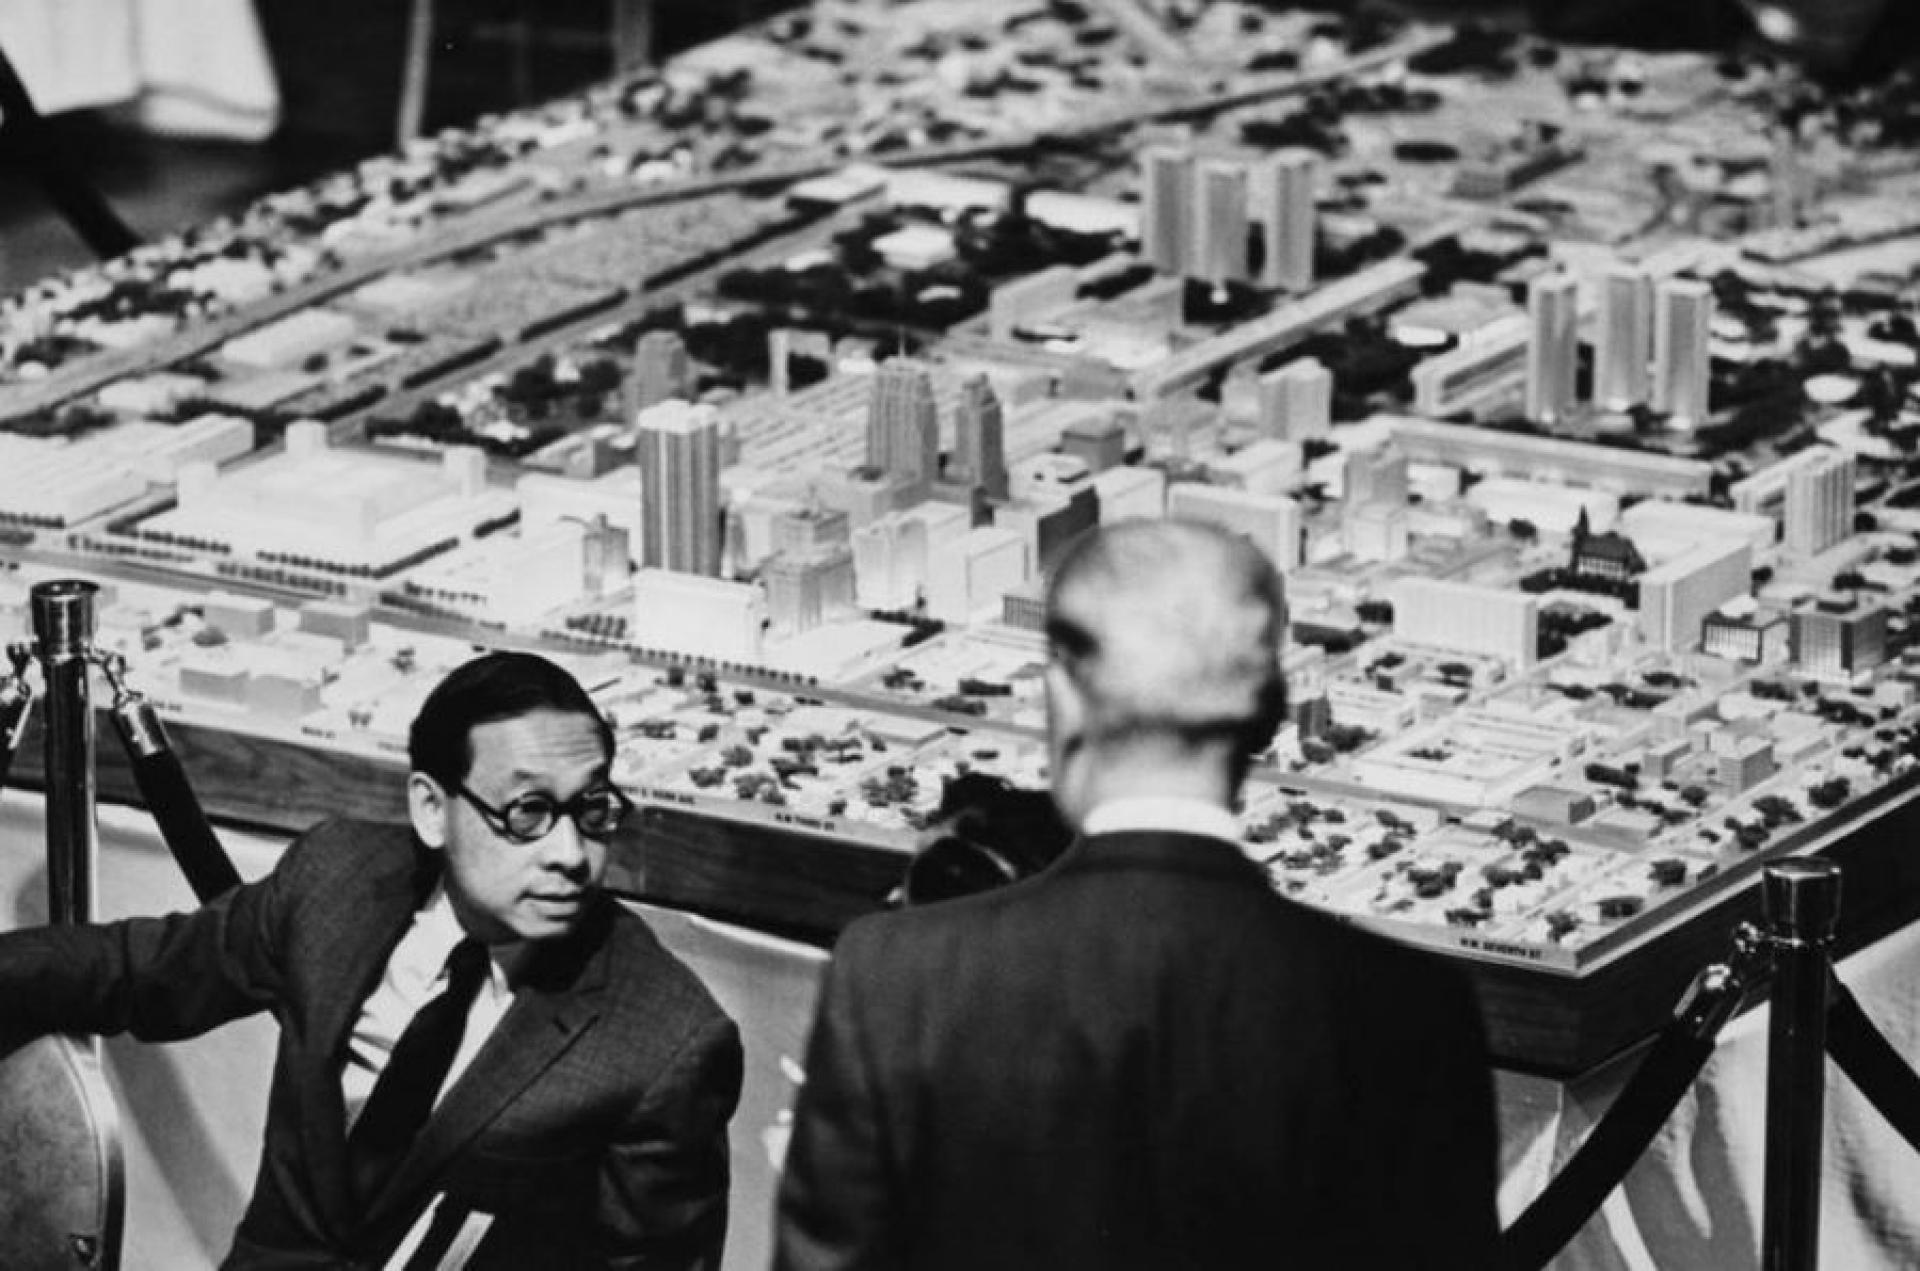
(404, 1093)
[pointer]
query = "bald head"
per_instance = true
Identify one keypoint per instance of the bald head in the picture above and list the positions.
(1168, 627)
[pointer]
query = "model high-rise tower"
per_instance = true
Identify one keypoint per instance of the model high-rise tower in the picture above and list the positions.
(980, 444)
(1623, 340)
(1376, 476)
(660, 370)
(1819, 503)
(1220, 222)
(678, 449)
(1287, 218)
(784, 344)
(1296, 400)
(1166, 207)
(1682, 317)
(903, 424)
(1553, 348)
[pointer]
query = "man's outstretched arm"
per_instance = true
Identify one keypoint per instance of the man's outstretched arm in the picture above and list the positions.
(159, 978)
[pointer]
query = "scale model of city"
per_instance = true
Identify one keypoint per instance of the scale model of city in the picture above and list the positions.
(1570, 389)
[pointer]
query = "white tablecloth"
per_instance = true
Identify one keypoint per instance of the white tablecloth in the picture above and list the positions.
(1692, 1202)
(195, 67)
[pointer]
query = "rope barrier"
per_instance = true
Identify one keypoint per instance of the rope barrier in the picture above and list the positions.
(1872, 1064)
(168, 795)
(1801, 902)
(1802, 899)
(1609, 1151)
(1675, 1059)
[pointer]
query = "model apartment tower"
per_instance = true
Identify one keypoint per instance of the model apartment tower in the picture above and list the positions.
(1623, 339)
(1553, 349)
(1296, 400)
(1220, 222)
(1682, 316)
(1819, 503)
(1285, 200)
(660, 370)
(1166, 207)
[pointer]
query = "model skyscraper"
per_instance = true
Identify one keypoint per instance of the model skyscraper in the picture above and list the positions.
(979, 451)
(660, 370)
(1220, 222)
(1287, 218)
(1682, 316)
(903, 424)
(1553, 351)
(677, 446)
(1296, 400)
(1623, 339)
(1819, 502)
(1166, 208)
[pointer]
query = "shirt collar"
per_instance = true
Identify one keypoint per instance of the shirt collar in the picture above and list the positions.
(1166, 815)
(439, 930)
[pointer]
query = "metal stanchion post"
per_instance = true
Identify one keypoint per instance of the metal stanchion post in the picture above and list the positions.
(63, 623)
(1802, 903)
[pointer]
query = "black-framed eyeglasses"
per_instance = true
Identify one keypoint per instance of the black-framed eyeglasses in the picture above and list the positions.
(596, 811)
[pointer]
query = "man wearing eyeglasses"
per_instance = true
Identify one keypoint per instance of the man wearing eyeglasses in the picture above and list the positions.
(483, 1060)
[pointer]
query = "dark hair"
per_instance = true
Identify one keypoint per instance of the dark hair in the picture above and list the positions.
(494, 686)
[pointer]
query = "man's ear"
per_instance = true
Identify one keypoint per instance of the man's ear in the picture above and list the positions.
(1066, 707)
(428, 809)
(1066, 726)
(1270, 714)
(1066, 743)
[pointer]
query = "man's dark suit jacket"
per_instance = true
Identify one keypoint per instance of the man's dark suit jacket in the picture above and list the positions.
(592, 1123)
(1142, 1058)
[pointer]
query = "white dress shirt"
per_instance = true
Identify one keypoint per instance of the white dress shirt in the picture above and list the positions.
(1162, 815)
(415, 974)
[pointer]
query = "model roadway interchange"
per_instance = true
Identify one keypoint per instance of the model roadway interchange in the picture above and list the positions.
(1571, 388)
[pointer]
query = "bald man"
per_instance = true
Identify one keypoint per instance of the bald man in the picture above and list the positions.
(1143, 1057)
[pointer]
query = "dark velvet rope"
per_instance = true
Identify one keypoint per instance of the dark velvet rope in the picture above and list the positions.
(1860, 1050)
(1872, 1064)
(176, 810)
(1609, 1152)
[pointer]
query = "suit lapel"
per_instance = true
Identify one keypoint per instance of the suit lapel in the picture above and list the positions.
(558, 1002)
(374, 910)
